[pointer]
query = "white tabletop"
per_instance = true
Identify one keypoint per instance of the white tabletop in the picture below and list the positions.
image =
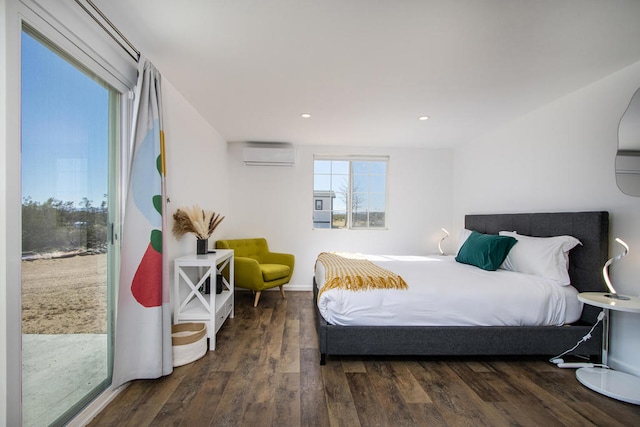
(218, 256)
(600, 299)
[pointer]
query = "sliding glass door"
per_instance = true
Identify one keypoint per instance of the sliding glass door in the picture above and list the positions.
(70, 131)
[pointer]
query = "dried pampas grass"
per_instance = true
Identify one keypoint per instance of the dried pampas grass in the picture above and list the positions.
(195, 220)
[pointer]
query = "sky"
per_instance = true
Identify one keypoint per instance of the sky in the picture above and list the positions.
(369, 181)
(64, 129)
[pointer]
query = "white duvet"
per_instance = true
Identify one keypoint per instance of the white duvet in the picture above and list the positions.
(443, 292)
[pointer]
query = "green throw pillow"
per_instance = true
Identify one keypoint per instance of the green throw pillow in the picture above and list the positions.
(486, 251)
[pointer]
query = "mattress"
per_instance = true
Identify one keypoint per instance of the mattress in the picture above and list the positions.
(443, 292)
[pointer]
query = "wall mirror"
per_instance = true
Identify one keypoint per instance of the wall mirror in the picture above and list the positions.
(628, 156)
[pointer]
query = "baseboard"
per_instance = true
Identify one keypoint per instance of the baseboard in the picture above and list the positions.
(95, 407)
(298, 287)
(614, 363)
(287, 288)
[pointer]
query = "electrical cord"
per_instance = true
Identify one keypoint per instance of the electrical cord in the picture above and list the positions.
(576, 365)
(557, 360)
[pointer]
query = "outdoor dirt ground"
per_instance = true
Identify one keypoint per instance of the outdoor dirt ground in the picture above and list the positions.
(65, 295)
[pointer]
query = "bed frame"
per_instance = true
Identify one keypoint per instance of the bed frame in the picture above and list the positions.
(585, 270)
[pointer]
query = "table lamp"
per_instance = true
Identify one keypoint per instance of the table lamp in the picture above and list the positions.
(442, 240)
(605, 272)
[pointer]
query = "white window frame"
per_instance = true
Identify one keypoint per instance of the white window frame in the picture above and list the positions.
(349, 202)
(71, 29)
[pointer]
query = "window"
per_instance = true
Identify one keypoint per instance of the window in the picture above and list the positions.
(69, 138)
(350, 192)
(40, 39)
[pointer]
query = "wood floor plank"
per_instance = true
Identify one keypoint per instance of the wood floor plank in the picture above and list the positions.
(126, 402)
(148, 408)
(269, 335)
(313, 403)
(340, 405)
(352, 364)
(266, 371)
(573, 395)
(287, 405)
(597, 417)
(240, 387)
(525, 414)
(549, 399)
(202, 408)
(370, 412)
(407, 384)
(308, 335)
(256, 414)
(174, 410)
(454, 399)
(479, 381)
(290, 355)
(388, 394)
(426, 414)
(479, 366)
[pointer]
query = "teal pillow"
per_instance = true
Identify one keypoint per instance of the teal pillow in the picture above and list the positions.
(486, 251)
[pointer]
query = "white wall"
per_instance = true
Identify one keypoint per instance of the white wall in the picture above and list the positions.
(196, 166)
(277, 203)
(561, 158)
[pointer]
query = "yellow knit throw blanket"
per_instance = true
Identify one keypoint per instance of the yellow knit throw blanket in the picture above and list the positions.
(356, 274)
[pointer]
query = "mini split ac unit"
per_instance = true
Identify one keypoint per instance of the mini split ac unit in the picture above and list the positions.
(268, 156)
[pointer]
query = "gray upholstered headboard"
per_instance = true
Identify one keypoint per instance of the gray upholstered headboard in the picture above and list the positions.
(585, 262)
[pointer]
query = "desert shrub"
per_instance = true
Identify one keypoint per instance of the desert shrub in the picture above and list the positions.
(55, 225)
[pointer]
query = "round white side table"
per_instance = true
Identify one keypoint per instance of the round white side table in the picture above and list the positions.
(616, 384)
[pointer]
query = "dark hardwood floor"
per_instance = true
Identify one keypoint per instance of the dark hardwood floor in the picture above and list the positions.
(265, 372)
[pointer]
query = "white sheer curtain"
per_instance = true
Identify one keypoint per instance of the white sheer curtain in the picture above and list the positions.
(143, 316)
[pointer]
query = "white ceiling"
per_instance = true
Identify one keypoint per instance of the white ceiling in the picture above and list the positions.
(366, 69)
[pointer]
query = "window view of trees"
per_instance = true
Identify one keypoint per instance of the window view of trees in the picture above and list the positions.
(349, 193)
(61, 226)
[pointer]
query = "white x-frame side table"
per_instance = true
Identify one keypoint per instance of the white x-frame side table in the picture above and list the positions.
(191, 303)
(616, 384)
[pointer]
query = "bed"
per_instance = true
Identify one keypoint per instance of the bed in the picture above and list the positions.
(585, 266)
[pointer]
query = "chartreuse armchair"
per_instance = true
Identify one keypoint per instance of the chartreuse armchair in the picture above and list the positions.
(256, 268)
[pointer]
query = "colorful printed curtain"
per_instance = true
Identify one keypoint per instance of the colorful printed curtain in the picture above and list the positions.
(143, 318)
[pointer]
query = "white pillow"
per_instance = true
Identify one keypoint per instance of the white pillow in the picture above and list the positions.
(464, 235)
(547, 257)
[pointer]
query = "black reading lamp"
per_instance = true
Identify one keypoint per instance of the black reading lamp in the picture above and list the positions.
(605, 272)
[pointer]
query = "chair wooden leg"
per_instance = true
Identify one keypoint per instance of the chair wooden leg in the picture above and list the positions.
(255, 302)
(282, 292)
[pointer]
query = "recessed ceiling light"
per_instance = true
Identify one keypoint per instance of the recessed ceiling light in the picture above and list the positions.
(305, 115)
(423, 118)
